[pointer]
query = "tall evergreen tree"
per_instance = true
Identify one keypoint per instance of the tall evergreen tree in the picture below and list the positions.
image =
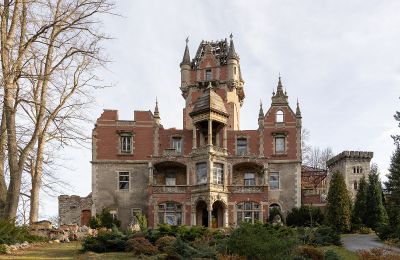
(359, 214)
(339, 204)
(393, 189)
(376, 212)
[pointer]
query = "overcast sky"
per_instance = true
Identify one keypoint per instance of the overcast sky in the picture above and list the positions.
(341, 59)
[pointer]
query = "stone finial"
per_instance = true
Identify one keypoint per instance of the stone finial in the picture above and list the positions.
(186, 55)
(232, 53)
(156, 112)
(261, 112)
(280, 97)
(298, 112)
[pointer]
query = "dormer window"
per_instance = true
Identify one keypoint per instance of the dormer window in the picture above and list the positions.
(279, 116)
(208, 74)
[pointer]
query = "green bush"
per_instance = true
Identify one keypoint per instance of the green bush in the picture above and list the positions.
(104, 219)
(3, 249)
(310, 252)
(274, 212)
(262, 241)
(140, 246)
(305, 216)
(365, 230)
(113, 241)
(165, 243)
(319, 236)
(386, 232)
(11, 234)
(331, 255)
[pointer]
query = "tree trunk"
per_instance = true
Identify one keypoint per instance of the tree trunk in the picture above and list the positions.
(37, 172)
(3, 186)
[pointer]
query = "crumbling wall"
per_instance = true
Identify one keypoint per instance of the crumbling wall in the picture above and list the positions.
(71, 209)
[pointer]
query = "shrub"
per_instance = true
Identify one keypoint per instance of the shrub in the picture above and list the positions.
(104, 219)
(365, 230)
(275, 212)
(310, 252)
(377, 254)
(388, 232)
(3, 249)
(165, 243)
(11, 234)
(331, 255)
(261, 241)
(140, 245)
(320, 236)
(305, 216)
(105, 242)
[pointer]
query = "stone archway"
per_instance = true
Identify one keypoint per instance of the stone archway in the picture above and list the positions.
(218, 210)
(201, 213)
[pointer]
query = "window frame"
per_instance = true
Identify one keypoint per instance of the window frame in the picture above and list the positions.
(249, 181)
(244, 146)
(283, 138)
(167, 176)
(252, 213)
(218, 174)
(124, 174)
(177, 140)
(274, 187)
(208, 74)
(204, 173)
(279, 116)
(164, 212)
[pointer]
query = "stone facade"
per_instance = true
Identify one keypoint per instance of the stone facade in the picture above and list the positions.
(210, 172)
(74, 209)
(353, 165)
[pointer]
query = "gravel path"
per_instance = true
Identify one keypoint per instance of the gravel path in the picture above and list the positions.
(356, 242)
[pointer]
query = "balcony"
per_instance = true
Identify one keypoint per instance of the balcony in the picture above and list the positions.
(210, 149)
(248, 189)
(169, 189)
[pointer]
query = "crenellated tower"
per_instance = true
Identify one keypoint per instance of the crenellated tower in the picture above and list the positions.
(215, 63)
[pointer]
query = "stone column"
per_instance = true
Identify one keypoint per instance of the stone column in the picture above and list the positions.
(194, 138)
(225, 137)
(151, 170)
(210, 216)
(226, 221)
(210, 132)
(193, 216)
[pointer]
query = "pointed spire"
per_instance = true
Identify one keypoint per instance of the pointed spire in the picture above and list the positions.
(280, 97)
(232, 53)
(186, 55)
(280, 87)
(156, 112)
(261, 112)
(298, 112)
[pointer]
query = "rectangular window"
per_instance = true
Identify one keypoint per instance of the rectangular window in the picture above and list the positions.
(170, 179)
(177, 144)
(249, 179)
(218, 173)
(279, 144)
(126, 143)
(208, 74)
(241, 146)
(274, 180)
(123, 180)
(201, 173)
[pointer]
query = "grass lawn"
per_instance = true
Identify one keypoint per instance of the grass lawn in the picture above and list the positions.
(63, 251)
(341, 251)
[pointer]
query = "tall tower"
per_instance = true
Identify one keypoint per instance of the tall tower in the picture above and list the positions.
(216, 63)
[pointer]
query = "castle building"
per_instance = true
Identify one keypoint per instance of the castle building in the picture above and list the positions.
(210, 172)
(353, 165)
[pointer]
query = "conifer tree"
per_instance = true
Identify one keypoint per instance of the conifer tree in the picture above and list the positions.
(359, 214)
(339, 204)
(376, 212)
(393, 189)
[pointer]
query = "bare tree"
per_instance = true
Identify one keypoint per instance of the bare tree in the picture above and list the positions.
(314, 156)
(48, 52)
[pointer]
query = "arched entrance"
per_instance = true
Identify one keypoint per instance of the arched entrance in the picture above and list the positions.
(217, 214)
(201, 213)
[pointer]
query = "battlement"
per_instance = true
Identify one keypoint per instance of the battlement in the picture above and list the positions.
(350, 155)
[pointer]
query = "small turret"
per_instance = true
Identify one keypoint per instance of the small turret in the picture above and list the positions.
(185, 66)
(232, 53)
(233, 62)
(298, 112)
(280, 97)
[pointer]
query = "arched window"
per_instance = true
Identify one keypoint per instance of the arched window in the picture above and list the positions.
(170, 213)
(355, 185)
(279, 116)
(248, 211)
